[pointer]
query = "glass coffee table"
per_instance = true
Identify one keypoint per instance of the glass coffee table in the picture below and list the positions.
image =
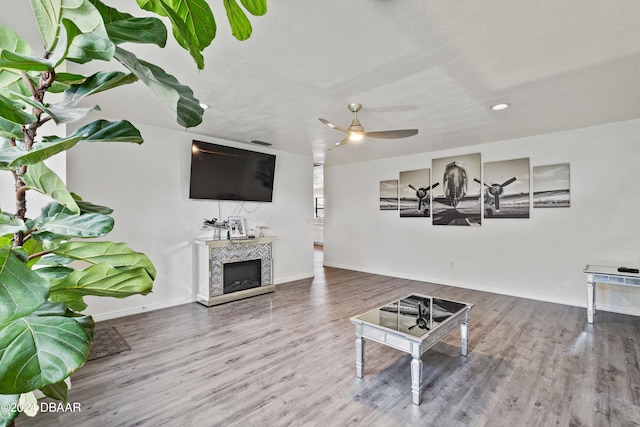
(412, 324)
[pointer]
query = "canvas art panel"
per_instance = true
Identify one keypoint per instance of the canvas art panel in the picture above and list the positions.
(551, 186)
(507, 192)
(457, 192)
(389, 195)
(413, 193)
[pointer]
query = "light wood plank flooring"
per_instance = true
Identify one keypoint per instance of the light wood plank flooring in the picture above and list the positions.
(288, 359)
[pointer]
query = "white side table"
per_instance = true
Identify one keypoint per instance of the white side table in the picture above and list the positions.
(609, 275)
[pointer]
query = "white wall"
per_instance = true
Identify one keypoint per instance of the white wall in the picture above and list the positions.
(539, 258)
(148, 188)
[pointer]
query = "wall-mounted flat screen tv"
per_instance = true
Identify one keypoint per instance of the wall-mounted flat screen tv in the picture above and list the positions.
(219, 172)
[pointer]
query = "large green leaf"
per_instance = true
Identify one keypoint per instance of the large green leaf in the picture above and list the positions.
(138, 30)
(53, 274)
(19, 61)
(59, 114)
(192, 22)
(13, 111)
(42, 179)
(9, 77)
(240, 25)
(47, 14)
(53, 261)
(49, 211)
(179, 98)
(113, 254)
(8, 401)
(64, 80)
(98, 82)
(8, 153)
(104, 131)
(68, 79)
(10, 225)
(123, 27)
(151, 6)
(197, 18)
(85, 225)
(44, 150)
(11, 41)
(92, 43)
(184, 36)
(39, 350)
(88, 207)
(87, 47)
(21, 290)
(57, 391)
(102, 280)
(255, 7)
(22, 62)
(10, 130)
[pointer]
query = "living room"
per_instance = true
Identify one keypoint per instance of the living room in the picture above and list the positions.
(532, 266)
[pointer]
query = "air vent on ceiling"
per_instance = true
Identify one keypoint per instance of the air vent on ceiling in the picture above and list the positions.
(258, 142)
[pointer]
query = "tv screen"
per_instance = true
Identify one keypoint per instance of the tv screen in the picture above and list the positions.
(219, 172)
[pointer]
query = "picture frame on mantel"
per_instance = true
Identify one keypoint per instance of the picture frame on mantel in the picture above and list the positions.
(237, 227)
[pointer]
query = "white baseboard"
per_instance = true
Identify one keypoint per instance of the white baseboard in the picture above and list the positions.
(294, 278)
(498, 291)
(141, 309)
(617, 309)
(166, 304)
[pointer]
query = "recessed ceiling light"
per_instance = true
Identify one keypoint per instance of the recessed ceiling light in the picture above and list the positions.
(499, 107)
(204, 106)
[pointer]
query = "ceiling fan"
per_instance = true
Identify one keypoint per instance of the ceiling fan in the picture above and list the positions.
(356, 132)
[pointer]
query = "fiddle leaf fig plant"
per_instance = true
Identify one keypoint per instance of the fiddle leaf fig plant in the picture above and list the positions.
(48, 262)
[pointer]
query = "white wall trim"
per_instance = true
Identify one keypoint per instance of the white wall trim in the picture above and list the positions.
(293, 278)
(140, 309)
(489, 289)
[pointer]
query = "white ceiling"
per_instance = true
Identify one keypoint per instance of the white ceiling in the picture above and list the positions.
(434, 65)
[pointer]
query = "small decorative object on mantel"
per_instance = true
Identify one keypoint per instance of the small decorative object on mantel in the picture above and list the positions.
(217, 226)
(262, 228)
(237, 227)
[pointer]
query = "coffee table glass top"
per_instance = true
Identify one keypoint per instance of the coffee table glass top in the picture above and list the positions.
(415, 315)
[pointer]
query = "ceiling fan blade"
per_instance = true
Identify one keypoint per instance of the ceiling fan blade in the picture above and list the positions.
(392, 134)
(332, 126)
(339, 144)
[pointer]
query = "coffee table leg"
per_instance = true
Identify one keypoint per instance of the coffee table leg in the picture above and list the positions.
(360, 348)
(464, 336)
(416, 379)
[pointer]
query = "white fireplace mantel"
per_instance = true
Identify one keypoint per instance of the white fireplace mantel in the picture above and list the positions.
(212, 255)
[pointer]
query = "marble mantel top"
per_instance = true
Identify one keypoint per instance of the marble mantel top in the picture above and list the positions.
(227, 242)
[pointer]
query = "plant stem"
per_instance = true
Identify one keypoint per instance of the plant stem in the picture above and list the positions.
(39, 254)
(29, 132)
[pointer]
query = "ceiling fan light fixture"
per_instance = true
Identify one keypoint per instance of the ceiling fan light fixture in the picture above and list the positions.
(501, 106)
(356, 132)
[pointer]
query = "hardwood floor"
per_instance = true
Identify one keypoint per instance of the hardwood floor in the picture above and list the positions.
(288, 358)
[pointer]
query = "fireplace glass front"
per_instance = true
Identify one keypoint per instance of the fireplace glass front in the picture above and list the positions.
(242, 275)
